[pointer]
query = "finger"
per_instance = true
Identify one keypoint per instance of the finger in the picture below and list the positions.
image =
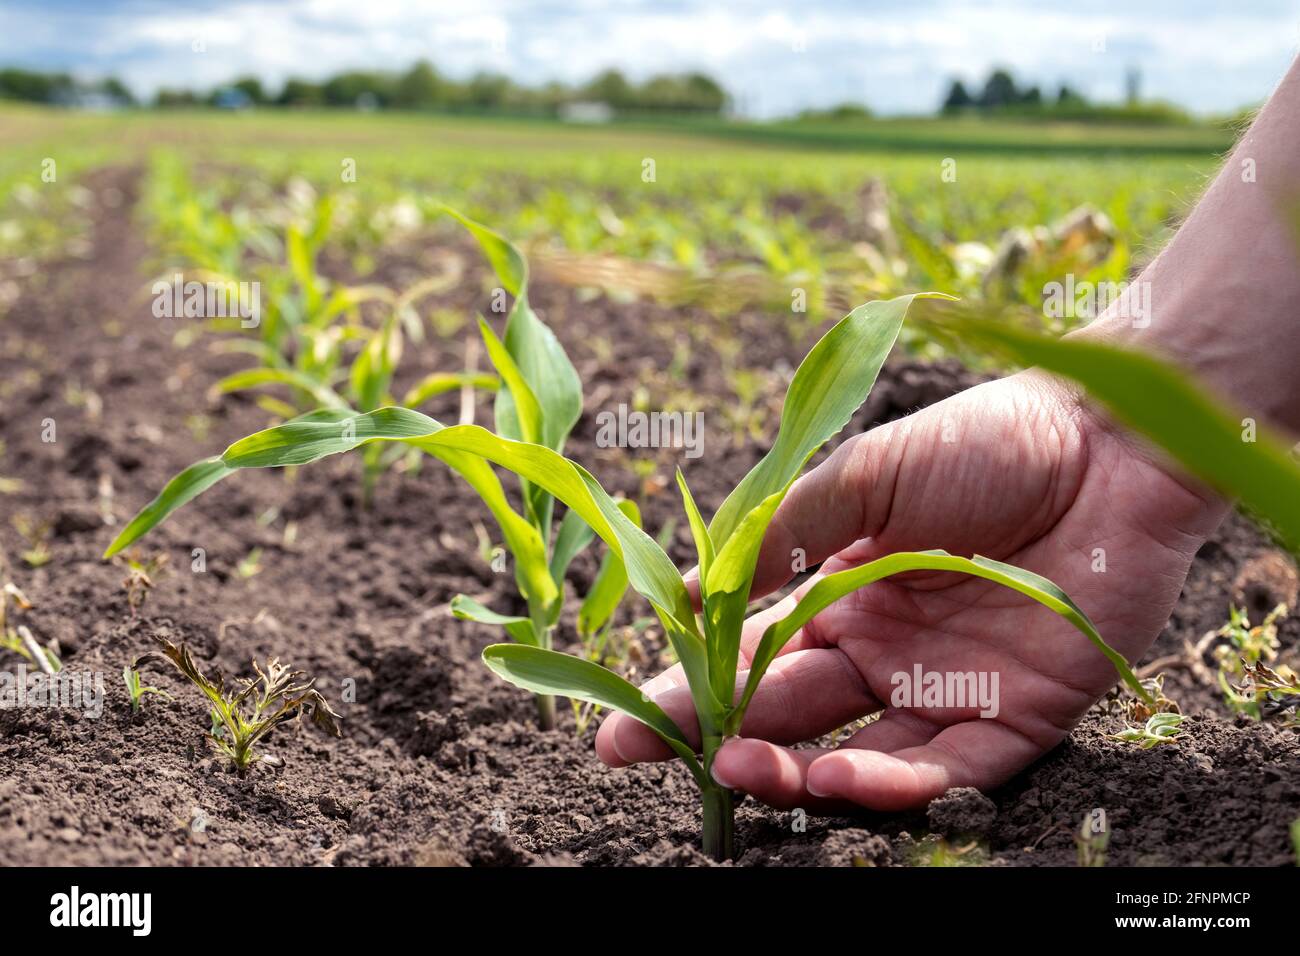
(802, 696)
(659, 684)
(845, 498)
(646, 740)
(775, 775)
(895, 730)
(778, 776)
(978, 753)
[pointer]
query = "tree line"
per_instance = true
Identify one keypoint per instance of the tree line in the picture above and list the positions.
(421, 87)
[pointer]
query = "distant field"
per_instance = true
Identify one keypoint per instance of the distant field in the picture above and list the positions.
(702, 198)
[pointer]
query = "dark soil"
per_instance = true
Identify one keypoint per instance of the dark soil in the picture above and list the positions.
(439, 762)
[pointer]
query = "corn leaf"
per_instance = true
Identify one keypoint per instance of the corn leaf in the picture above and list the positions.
(541, 359)
(551, 673)
(831, 588)
(438, 383)
(1163, 403)
(574, 535)
(610, 585)
(255, 377)
(829, 385)
(699, 530)
(520, 628)
(329, 432)
(527, 412)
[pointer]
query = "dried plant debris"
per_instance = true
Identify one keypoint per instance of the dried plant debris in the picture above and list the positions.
(244, 715)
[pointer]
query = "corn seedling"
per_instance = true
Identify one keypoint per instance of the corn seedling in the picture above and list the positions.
(36, 535)
(1159, 729)
(242, 716)
(537, 407)
(135, 690)
(708, 647)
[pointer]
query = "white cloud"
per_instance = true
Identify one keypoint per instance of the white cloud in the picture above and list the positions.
(897, 56)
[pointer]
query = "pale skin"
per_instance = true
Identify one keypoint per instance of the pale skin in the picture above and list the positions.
(1024, 470)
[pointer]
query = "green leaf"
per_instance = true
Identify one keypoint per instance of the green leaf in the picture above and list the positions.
(574, 535)
(186, 486)
(609, 587)
(254, 377)
(1163, 403)
(372, 369)
(650, 570)
(830, 384)
(541, 359)
(726, 593)
(831, 588)
(527, 412)
(507, 261)
(438, 383)
(330, 432)
(551, 673)
(699, 530)
(520, 628)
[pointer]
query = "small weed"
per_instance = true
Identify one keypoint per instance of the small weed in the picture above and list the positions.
(243, 716)
(1159, 729)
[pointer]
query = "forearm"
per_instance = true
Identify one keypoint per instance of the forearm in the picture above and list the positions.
(1225, 292)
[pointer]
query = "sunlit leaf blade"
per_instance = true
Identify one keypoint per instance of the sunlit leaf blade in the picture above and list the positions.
(519, 628)
(507, 261)
(537, 352)
(699, 530)
(650, 570)
(831, 588)
(551, 673)
(573, 536)
(438, 383)
(727, 592)
(830, 384)
(330, 432)
(185, 487)
(1163, 403)
(527, 412)
(255, 377)
(610, 585)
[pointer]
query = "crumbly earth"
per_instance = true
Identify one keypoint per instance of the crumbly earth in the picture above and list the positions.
(439, 763)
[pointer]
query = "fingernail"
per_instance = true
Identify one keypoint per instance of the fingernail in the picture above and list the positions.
(720, 778)
(816, 791)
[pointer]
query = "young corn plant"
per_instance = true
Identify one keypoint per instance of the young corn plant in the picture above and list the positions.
(136, 689)
(537, 406)
(850, 355)
(242, 716)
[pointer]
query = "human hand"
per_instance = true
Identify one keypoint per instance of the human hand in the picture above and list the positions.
(1018, 470)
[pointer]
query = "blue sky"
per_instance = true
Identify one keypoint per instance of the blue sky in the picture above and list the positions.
(775, 57)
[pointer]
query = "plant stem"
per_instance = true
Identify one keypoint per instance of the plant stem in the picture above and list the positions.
(545, 712)
(719, 822)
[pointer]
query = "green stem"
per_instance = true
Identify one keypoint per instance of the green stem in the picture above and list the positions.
(719, 822)
(545, 704)
(545, 712)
